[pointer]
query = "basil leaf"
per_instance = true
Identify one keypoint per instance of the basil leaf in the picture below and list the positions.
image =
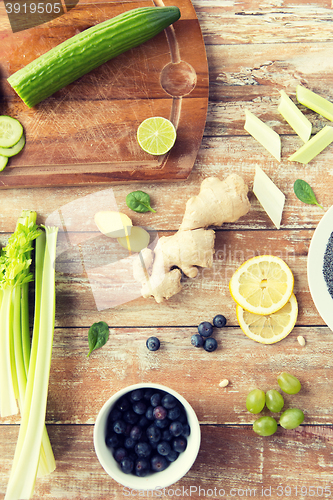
(139, 202)
(97, 336)
(304, 192)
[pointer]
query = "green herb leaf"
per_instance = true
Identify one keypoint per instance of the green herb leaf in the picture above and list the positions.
(139, 202)
(97, 336)
(304, 192)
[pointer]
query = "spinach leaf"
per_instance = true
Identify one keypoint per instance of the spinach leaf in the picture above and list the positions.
(304, 192)
(97, 336)
(139, 202)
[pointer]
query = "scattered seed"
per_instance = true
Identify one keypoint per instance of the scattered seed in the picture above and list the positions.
(224, 383)
(301, 340)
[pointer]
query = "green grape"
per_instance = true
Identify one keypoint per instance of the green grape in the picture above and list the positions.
(255, 401)
(265, 426)
(291, 418)
(288, 383)
(274, 401)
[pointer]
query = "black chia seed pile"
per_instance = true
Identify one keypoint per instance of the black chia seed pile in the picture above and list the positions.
(328, 265)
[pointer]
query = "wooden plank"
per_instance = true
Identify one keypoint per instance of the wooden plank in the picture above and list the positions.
(79, 386)
(206, 294)
(232, 462)
(259, 22)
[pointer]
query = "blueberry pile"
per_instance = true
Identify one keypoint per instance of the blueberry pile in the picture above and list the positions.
(203, 338)
(147, 429)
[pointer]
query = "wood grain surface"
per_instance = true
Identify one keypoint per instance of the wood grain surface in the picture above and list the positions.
(254, 50)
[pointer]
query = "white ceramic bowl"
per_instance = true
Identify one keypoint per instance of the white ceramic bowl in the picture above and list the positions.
(175, 471)
(318, 287)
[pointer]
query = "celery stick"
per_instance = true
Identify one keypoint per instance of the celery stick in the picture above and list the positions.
(267, 137)
(26, 342)
(23, 475)
(269, 196)
(7, 384)
(315, 102)
(18, 347)
(294, 116)
(314, 146)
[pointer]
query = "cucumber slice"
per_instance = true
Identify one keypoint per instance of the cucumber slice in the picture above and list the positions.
(11, 131)
(3, 162)
(14, 150)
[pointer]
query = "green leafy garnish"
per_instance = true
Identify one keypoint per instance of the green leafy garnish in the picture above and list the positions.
(304, 192)
(139, 202)
(97, 336)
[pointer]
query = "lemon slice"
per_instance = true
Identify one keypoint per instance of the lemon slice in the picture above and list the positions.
(156, 135)
(268, 329)
(262, 285)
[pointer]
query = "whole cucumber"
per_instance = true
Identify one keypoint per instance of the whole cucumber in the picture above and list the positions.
(84, 52)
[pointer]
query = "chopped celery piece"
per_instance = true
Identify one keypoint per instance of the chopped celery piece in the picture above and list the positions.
(314, 146)
(267, 137)
(315, 102)
(294, 116)
(269, 196)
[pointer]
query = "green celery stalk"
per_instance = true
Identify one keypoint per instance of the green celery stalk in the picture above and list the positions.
(27, 454)
(294, 116)
(14, 272)
(264, 134)
(315, 102)
(314, 146)
(7, 377)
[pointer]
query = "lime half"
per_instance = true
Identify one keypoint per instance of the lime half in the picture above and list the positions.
(156, 135)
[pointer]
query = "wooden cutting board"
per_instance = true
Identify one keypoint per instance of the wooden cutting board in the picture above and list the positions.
(86, 133)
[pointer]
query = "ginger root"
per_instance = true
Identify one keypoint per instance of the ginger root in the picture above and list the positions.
(192, 246)
(218, 202)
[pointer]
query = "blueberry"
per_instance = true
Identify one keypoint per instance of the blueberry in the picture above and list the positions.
(179, 444)
(150, 413)
(176, 428)
(115, 414)
(140, 407)
(219, 321)
(136, 432)
(143, 449)
(148, 394)
(197, 340)
(153, 434)
(119, 454)
(129, 443)
(169, 401)
(113, 440)
(155, 399)
(182, 418)
(136, 395)
(163, 448)
(119, 427)
(162, 424)
(205, 329)
(160, 412)
(123, 404)
(142, 467)
(143, 422)
(159, 463)
(127, 465)
(166, 435)
(130, 417)
(171, 457)
(210, 345)
(174, 413)
(153, 343)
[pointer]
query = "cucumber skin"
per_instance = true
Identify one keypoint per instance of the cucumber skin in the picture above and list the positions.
(85, 51)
